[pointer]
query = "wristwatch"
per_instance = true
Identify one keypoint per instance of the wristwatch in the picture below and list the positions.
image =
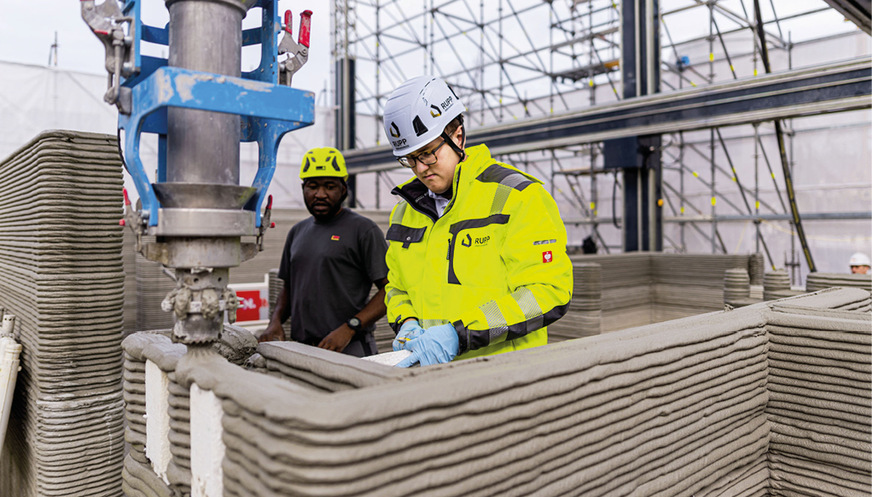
(354, 324)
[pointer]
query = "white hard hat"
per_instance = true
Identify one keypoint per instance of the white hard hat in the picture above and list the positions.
(860, 259)
(418, 111)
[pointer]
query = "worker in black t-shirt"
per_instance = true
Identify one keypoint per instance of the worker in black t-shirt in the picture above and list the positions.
(329, 264)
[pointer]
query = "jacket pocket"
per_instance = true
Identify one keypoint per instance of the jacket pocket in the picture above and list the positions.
(405, 234)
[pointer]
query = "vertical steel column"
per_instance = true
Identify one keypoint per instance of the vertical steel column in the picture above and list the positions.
(203, 147)
(640, 70)
(681, 187)
(344, 95)
(711, 78)
(756, 187)
(714, 198)
(345, 113)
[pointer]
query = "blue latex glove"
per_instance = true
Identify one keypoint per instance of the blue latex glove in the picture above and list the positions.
(437, 345)
(408, 331)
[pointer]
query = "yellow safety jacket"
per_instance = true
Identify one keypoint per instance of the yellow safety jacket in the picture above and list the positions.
(494, 265)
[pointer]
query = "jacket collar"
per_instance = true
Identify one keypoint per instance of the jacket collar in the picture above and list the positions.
(414, 192)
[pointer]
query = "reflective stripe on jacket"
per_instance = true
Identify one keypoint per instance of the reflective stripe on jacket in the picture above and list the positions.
(494, 265)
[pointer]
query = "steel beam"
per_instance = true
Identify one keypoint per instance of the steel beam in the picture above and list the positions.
(856, 11)
(836, 87)
(813, 216)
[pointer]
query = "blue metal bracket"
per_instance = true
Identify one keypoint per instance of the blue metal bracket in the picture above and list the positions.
(267, 110)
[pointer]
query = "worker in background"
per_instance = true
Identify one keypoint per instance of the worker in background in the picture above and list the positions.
(477, 257)
(588, 245)
(859, 263)
(329, 264)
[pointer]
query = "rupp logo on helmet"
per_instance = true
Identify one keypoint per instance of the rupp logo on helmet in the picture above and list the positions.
(417, 113)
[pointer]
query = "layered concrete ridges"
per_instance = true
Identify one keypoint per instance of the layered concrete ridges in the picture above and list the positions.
(706, 405)
(139, 477)
(579, 416)
(819, 281)
(321, 369)
(61, 276)
(821, 401)
(235, 346)
(667, 409)
(846, 299)
(585, 314)
(643, 287)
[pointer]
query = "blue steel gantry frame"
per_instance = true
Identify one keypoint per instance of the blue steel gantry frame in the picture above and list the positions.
(268, 110)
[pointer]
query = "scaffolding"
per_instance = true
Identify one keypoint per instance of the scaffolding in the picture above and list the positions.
(512, 60)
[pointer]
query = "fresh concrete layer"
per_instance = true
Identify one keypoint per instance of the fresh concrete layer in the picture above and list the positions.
(323, 370)
(678, 407)
(846, 300)
(820, 404)
(60, 260)
(819, 281)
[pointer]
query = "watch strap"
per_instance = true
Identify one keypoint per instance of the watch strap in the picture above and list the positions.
(355, 324)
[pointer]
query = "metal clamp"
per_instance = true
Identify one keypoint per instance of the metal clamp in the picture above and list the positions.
(107, 23)
(298, 50)
(264, 224)
(133, 219)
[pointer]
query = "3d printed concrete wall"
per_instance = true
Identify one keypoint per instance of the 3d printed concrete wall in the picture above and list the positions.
(61, 276)
(686, 407)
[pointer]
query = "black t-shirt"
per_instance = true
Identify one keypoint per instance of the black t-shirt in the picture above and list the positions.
(329, 269)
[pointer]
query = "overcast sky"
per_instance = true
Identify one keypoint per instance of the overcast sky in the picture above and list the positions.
(27, 32)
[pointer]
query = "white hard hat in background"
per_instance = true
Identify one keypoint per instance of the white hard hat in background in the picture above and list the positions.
(860, 259)
(418, 111)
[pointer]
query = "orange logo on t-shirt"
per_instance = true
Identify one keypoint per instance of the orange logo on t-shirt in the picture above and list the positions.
(334, 237)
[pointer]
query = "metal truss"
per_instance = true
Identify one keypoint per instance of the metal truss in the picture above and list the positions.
(519, 63)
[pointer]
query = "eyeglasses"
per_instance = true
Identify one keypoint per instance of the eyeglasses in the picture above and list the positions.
(426, 158)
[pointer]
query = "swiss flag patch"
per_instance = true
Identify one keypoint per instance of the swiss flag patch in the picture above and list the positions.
(546, 256)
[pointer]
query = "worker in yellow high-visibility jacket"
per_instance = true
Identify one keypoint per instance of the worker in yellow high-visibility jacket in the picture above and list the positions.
(477, 260)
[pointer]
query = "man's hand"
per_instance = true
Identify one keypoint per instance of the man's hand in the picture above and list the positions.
(437, 345)
(338, 339)
(274, 332)
(408, 332)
